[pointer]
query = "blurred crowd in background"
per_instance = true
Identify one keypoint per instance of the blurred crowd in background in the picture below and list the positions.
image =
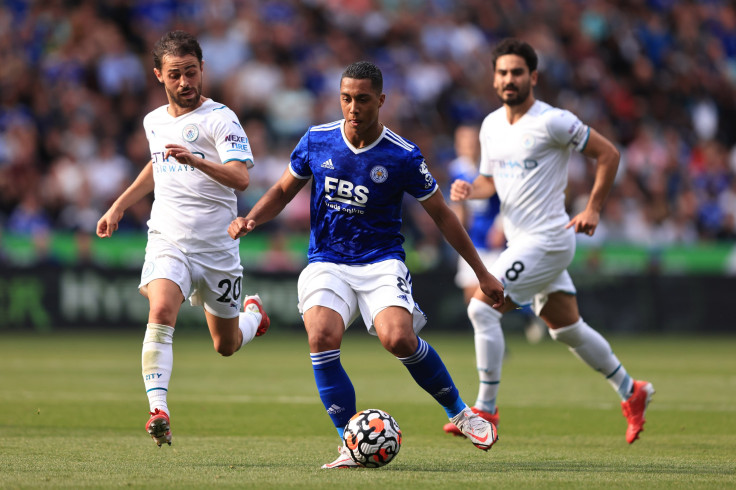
(655, 76)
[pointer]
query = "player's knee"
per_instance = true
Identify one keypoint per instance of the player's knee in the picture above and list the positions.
(483, 317)
(323, 340)
(572, 335)
(162, 314)
(225, 349)
(399, 345)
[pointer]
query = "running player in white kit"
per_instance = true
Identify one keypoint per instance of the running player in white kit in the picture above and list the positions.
(359, 172)
(525, 149)
(199, 157)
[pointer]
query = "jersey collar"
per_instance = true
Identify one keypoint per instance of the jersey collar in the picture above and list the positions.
(365, 148)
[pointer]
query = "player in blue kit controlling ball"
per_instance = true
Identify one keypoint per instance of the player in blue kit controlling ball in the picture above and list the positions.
(359, 171)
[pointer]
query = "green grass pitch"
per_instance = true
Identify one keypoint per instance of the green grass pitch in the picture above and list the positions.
(73, 408)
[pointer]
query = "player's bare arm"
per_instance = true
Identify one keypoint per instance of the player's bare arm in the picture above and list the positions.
(141, 186)
(268, 206)
(461, 211)
(232, 174)
(481, 188)
(455, 234)
(607, 159)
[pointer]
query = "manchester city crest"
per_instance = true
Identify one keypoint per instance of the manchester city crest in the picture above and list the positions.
(190, 132)
(147, 269)
(379, 174)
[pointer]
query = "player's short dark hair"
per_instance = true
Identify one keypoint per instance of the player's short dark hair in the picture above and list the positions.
(362, 70)
(175, 43)
(519, 48)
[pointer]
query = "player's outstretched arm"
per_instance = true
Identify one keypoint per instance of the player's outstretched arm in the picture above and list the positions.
(268, 206)
(481, 188)
(455, 234)
(142, 186)
(607, 158)
(233, 174)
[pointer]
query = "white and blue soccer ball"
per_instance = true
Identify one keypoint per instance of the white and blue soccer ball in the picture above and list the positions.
(373, 438)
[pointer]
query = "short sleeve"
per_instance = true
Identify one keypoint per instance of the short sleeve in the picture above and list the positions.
(420, 182)
(230, 140)
(299, 161)
(486, 165)
(566, 129)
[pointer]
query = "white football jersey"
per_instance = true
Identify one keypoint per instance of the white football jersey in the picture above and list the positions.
(528, 162)
(190, 209)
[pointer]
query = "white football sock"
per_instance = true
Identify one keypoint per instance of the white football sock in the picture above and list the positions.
(489, 349)
(157, 360)
(594, 350)
(248, 323)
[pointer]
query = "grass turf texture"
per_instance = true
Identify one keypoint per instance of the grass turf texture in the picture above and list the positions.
(73, 411)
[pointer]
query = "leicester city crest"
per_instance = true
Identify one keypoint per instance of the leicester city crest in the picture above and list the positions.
(190, 132)
(379, 174)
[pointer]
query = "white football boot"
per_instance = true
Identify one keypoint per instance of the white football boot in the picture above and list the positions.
(481, 432)
(342, 461)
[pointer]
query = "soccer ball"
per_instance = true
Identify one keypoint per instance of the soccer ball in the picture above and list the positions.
(373, 438)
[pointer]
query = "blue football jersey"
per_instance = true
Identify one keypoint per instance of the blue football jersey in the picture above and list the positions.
(482, 212)
(356, 194)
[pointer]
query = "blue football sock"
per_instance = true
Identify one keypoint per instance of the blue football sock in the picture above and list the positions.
(335, 389)
(430, 373)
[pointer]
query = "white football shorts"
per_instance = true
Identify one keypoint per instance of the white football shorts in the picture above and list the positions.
(533, 266)
(209, 279)
(465, 277)
(359, 289)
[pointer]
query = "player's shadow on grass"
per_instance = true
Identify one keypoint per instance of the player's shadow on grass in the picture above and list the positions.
(566, 466)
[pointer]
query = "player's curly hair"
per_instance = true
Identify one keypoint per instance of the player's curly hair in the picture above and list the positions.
(517, 47)
(362, 70)
(175, 43)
